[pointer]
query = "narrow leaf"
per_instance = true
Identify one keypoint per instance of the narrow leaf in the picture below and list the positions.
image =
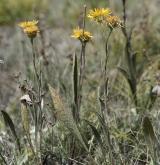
(9, 122)
(148, 131)
(124, 72)
(75, 79)
(97, 136)
(75, 89)
(131, 81)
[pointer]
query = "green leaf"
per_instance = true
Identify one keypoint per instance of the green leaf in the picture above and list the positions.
(150, 137)
(149, 134)
(97, 136)
(131, 81)
(75, 78)
(124, 72)
(9, 122)
(148, 131)
(75, 86)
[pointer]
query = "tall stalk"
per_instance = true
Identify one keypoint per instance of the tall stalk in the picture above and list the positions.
(77, 85)
(82, 67)
(37, 103)
(104, 97)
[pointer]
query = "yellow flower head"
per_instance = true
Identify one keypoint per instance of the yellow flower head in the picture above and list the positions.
(31, 31)
(99, 14)
(83, 36)
(28, 24)
(113, 21)
(30, 28)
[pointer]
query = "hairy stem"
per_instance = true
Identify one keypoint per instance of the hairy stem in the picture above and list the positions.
(38, 109)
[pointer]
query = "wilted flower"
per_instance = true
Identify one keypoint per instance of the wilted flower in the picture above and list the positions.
(30, 28)
(99, 14)
(113, 21)
(82, 35)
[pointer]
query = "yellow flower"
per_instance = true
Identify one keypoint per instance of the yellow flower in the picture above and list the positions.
(99, 14)
(30, 28)
(28, 24)
(83, 36)
(113, 21)
(31, 31)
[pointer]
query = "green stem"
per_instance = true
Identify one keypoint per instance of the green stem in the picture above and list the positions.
(82, 66)
(106, 50)
(106, 96)
(38, 114)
